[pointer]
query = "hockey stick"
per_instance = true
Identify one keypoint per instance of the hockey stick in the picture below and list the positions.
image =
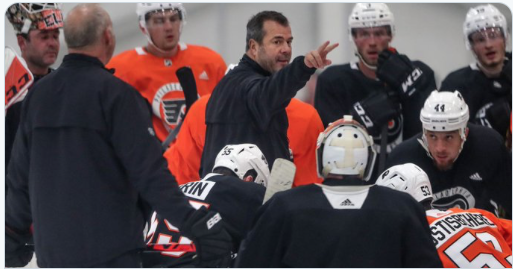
(281, 178)
(18, 77)
(383, 148)
(190, 92)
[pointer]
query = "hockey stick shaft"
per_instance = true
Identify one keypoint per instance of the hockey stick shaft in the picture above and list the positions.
(190, 92)
(172, 247)
(383, 149)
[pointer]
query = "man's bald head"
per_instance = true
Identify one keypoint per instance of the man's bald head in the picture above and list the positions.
(85, 25)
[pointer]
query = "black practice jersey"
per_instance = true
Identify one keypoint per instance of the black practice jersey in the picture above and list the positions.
(480, 177)
(237, 202)
(341, 86)
(339, 226)
(248, 106)
(84, 161)
(478, 90)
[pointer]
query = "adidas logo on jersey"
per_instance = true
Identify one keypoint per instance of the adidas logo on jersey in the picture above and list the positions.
(476, 177)
(203, 76)
(347, 202)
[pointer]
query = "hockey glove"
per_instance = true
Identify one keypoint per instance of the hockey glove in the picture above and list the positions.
(213, 243)
(397, 71)
(17, 253)
(506, 68)
(495, 115)
(375, 110)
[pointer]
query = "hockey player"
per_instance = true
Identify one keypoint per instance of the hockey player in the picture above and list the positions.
(151, 69)
(37, 32)
(230, 190)
(248, 105)
(382, 88)
(468, 164)
(86, 160)
(472, 238)
(317, 225)
(485, 84)
(304, 126)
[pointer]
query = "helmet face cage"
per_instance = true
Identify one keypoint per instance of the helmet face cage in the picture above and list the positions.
(482, 17)
(27, 16)
(407, 178)
(365, 15)
(242, 158)
(345, 148)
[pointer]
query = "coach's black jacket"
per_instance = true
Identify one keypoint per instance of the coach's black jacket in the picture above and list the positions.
(84, 155)
(248, 106)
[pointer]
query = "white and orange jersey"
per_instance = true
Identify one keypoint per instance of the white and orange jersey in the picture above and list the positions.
(471, 238)
(155, 79)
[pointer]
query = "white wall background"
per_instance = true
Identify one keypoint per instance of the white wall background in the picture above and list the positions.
(431, 32)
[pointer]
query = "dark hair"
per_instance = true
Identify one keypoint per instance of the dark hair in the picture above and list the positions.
(254, 28)
(224, 171)
(388, 29)
(228, 172)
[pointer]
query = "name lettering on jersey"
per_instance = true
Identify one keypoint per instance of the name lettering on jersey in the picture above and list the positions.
(442, 229)
(454, 197)
(197, 189)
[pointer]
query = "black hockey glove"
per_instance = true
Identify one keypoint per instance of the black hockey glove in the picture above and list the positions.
(397, 71)
(17, 253)
(506, 68)
(495, 115)
(213, 243)
(375, 110)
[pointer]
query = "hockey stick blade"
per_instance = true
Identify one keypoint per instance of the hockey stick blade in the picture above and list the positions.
(190, 92)
(18, 77)
(281, 179)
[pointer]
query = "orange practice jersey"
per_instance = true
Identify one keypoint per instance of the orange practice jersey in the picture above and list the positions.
(155, 79)
(471, 238)
(184, 156)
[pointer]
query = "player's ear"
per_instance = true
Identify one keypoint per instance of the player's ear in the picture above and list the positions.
(248, 178)
(253, 48)
(22, 42)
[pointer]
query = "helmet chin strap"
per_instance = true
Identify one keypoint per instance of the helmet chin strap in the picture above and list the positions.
(150, 41)
(424, 144)
(372, 67)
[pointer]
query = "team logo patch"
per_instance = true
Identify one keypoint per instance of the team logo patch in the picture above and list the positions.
(173, 109)
(169, 104)
(454, 197)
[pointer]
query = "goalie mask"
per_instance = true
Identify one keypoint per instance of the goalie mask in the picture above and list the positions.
(407, 178)
(444, 112)
(42, 16)
(243, 159)
(345, 148)
(482, 17)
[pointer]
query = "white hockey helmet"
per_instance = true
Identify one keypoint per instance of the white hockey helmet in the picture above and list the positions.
(407, 178)
(445, 111)
(366, 15)
(145, 8)
(345, 148)
(243, 158)
(482, 17)
(31, 16)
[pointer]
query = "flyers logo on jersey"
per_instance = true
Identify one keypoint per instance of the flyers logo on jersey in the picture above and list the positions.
(169, 104)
